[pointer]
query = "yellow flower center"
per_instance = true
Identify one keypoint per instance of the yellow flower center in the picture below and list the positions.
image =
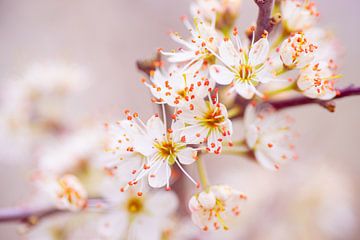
(245, 73)
(167, 149)
(134, 205)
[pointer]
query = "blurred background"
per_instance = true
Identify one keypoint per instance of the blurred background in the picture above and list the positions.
(313, 198)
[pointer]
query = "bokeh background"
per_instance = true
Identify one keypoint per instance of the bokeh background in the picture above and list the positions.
(316, 197)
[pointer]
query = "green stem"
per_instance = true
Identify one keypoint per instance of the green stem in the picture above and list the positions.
(234, 111)
(202, 173)
(290, 87)
(234, 152)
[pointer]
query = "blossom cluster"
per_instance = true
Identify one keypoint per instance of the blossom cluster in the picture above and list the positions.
(216, 78)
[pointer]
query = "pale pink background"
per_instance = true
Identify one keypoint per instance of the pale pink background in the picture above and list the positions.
(107, 37)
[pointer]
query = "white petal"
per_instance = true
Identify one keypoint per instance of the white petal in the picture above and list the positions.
(162, 203)
(229, 54)
(194, 134)
(207, 199)
(251, 135)
(264, 159)
(158, 176)
(193, 204)
(143, 144)
(187, 156)
(259, 52)
(155, 127)
(221, 74)
(244, 90)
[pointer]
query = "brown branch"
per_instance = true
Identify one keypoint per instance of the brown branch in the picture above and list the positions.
(299, 101)
(32, 216)
(149, 65)
(329, 105)
(265, 23)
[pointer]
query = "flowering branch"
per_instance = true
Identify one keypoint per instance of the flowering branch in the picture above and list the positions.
(33, 215)
(265, 23)
(329, 105)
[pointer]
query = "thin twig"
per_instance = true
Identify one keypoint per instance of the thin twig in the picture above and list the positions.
(31, 215)
(329, 105)
(265, 22)
(299, 101)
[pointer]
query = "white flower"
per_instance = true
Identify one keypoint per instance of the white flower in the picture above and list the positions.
(66, 192)
(297, 51)
(150, 150)
(134, 217)
(214, 208)
(206, 8)
(329, 46)
(298, 15)
(318, 80)
(243, 70)
(178, 88)
(206, 122)
(268, 135)
(35, 104)
(199, 48)
(72, 153)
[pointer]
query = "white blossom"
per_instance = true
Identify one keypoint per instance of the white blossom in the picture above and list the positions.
(65, 192)
(178, 88)
(244, 69)
(206, 122)
(149, 150)
(298, 15)
(269, 135)
(318, 80)
(214, 208)
(135, 217)
(297, 51)
(204, 40)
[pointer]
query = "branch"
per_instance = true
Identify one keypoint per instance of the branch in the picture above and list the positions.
(329, 105)
(299, 101)
(33, 215)
(149, 65)
(265, 23)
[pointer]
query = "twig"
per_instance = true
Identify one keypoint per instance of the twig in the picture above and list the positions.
(31, 216)
(265, 23)
(149, 65)
(299, 101)
(329, 105)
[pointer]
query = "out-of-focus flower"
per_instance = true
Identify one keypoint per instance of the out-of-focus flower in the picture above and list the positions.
(207, 122)
(298, 15)
(226, 11)
(214, 208)
(297, 51)
(178, 88)
(328, 45)
(160, 147)
(199, 48)
(318, 80)
(79, 153)
(134, 217)
(66, 192)
(34, 105)
(269, 135)
(244, 70)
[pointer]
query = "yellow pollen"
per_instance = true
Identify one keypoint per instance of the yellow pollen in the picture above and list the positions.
(134, 205)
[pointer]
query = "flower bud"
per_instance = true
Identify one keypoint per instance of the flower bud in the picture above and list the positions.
(207, 199)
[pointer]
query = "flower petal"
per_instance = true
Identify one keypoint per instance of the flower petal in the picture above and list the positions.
(221, 74)
(187, 156)
(259, 52)
(228, 53)
(159, 174)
